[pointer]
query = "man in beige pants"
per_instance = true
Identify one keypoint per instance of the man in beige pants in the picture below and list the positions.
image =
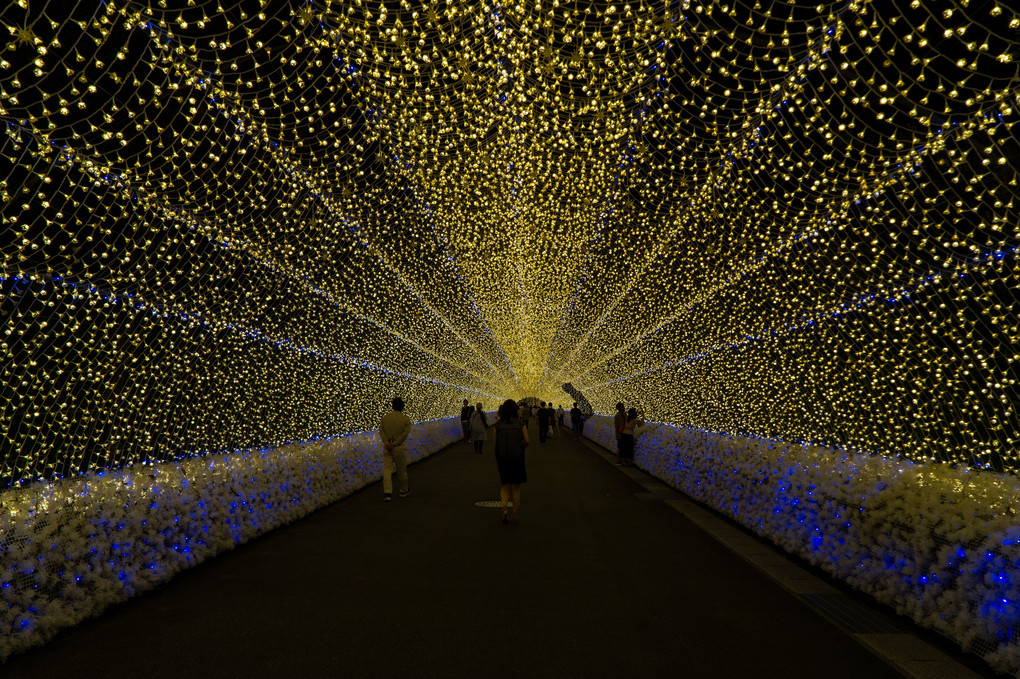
(393, 430)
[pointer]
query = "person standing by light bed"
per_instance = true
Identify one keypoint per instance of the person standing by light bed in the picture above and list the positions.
(619, 421)
(626, 443)
(393, 430)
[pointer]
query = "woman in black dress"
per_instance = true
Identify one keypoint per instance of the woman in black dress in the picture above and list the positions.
(511, 439)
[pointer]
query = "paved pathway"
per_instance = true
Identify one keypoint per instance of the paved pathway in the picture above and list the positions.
(600, 579)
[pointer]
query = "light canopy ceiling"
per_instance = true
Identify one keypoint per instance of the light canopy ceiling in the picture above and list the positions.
(229, 225)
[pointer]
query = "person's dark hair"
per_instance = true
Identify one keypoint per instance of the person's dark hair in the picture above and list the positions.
(398, 404)
(465, 402)
(619, 406)
(632, 414)
(508, 411)
(543, 404)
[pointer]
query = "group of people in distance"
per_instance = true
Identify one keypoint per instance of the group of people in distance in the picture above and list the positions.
(547, 420)
(511, 438)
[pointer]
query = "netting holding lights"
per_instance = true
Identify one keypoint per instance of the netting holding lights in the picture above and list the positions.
(225, 228)
(233, 226)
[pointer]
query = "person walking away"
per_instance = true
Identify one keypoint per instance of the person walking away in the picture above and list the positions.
(393, 430)
(560, 416)
(543, 423)
(619, 420)
(633, 421)
(575, 421)
(511, 440)
(465, 419)
(525, 414)
(479, 428)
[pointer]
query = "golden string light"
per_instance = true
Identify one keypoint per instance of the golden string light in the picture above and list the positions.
(236, 225)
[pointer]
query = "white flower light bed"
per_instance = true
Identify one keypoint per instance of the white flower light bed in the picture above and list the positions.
(938, 544)
(70, 549)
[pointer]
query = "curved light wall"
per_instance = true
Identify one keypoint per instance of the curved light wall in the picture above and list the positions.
(232, 226)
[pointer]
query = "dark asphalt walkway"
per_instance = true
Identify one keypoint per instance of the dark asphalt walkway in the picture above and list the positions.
(595, 581)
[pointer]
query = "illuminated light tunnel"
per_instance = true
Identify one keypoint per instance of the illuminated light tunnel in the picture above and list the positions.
(230, 233)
